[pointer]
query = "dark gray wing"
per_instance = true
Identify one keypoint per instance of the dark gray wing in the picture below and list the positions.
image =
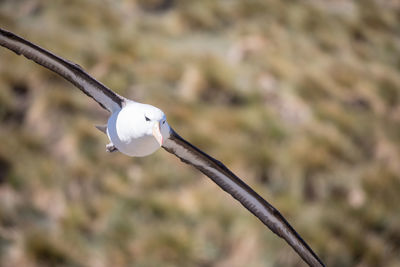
(232, 184)
(69, 70)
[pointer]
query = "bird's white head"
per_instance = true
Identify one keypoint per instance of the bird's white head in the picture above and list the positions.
(156, 123)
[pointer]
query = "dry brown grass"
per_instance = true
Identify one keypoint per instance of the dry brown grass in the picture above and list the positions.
(301, 99)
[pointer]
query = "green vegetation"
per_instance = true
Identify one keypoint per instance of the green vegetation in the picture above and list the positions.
(300, 98)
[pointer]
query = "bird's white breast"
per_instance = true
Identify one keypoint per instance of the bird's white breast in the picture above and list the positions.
(129, 133)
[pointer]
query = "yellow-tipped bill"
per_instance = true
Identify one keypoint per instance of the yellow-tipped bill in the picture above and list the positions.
(157, 133)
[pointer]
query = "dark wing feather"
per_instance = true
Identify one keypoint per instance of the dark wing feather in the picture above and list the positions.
(69, 70)
(232, 184)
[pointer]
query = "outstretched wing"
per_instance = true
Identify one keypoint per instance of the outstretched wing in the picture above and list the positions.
(69, 70)
(232, 184)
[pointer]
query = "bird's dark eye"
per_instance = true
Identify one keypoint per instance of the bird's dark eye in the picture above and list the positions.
(163, 122)
(147, 119)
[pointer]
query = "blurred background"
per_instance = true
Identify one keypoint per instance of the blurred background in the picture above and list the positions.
(300, 98)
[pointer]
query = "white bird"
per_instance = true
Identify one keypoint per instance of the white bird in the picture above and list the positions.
(138, 130)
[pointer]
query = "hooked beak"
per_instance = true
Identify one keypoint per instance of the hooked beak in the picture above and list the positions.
(157, 133)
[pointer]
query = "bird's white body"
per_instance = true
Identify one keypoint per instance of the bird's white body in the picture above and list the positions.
(130, 129)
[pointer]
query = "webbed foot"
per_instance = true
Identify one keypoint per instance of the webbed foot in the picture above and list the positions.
(111, 148)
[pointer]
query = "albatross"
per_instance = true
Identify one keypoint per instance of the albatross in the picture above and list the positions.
(138, 130)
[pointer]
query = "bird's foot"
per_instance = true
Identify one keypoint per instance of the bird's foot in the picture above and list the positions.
(111, 148)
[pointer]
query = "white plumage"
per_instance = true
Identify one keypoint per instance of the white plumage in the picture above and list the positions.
(131, 129)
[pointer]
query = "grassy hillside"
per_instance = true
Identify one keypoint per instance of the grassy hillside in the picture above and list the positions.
(299, 98)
